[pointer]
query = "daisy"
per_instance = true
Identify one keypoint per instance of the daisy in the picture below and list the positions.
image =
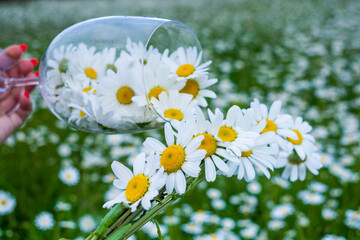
(156, 83)
(139, 186)
(44, 221)
(275, 122)
(295, 167)
(69, 175)
(234, 137)
(116, 90)
(88, 63)
(180, 157)
(282, 211)
(174, 105)
(7, 203)
(79, 83)
(197, 88)
(59, 65)
(87, 223)
(186, 63)
(303, 144)
(261, 155)
(215, 152)
(109, 61)
(137, 55)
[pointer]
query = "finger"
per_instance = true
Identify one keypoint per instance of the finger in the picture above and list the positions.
(22, 68)
(10, 123)
(11, 55)
(8, 104)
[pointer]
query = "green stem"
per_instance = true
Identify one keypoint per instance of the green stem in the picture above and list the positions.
(118, 222)
(107, 221)
(161, 206)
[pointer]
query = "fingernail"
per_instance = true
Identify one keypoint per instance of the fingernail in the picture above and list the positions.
(34, 61)
(36, 73)
(27, 95)
(23, 47)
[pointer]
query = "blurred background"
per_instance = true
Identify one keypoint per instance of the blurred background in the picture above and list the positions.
(54, 180)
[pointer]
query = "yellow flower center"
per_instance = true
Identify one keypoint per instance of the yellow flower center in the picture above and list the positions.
(191, 87)
(82, 114)
(172, 158)
(137, 188)
(90, 73)
(227, 134)
(297, 141)
(208, 143)
(173, 113)
(68, 176)
(270, 126)
(124, 95)
(87, 89)
(3, 202)
(246, 153)
(185, 70)
(155, 92)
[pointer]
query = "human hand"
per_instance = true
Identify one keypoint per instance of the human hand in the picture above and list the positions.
(15, 104)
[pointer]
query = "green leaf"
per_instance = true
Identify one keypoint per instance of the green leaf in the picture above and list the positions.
(158, 229)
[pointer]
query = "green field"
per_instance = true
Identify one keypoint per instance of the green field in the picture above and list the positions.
(305, 53)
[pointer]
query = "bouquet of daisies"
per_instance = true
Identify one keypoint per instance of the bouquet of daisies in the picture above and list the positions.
(116, 91)
(99, 91)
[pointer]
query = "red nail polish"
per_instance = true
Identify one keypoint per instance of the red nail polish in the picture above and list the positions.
(36, 73)
(27, 95)
(23, 47)
(34, 61)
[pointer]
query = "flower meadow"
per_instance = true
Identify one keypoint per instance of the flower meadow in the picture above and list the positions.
(274, 156)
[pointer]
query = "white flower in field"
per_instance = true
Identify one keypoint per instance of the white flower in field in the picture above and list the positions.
(62, 206)
(59, 65)
(180, 157)
(303, 144)
(44, 221)
(352, 219)
(67, 224)
(156, 83)
(254, 187)
(186, 64)
(151, 229)
(328, 214)
(7, 203)
(64, 150)
(318, 187)
(116, 90)
(200, 217)
(192, 228)
(295, 168)
(250, 231)
(174, 105)
(278, 123)
(112, 193)
(69, 175)
(228, 223)
(281, 182)
(171, 220)
(213, 193)
(282, 211)
(311, 198)
(197, 88)
(276, 224)
(218, 204)
(139, 186)
(87, 223)
(88, 63)
(332, 237)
